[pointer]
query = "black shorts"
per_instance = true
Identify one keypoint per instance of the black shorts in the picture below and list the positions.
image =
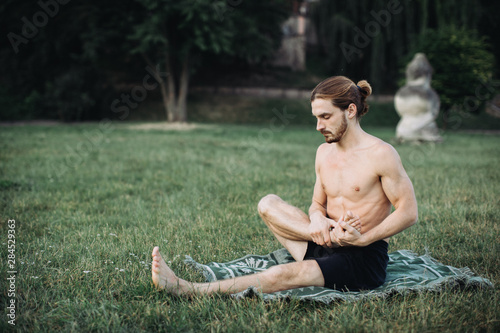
(351, 268)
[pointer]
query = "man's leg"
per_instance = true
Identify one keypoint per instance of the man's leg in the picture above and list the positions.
(277, 278)
(288, 223)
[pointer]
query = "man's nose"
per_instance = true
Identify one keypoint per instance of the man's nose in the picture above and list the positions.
(320, 126)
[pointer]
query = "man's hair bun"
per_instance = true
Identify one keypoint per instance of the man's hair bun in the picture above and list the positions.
(364, 88)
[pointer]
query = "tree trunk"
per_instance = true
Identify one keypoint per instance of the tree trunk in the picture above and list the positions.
(167, 87)
(170, 105)
(183, 91)
(164, 95)
(174, 100)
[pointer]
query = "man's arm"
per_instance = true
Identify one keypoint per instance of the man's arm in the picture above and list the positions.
(320, 225)
(399, 190)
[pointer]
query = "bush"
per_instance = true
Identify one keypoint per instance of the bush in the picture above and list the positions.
(17, 107)
(76, 94)
(462, 61)
(72, 95)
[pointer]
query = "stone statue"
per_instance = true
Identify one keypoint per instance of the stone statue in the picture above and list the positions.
(417, 103)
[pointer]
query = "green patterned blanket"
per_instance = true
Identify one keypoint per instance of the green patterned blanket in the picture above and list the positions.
(406, 272)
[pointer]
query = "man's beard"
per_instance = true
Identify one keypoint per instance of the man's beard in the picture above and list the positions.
(330, 137)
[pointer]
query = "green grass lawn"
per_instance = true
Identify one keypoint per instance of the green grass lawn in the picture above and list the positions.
(91, 201)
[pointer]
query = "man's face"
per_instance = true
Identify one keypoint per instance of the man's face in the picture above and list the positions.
(332, 122)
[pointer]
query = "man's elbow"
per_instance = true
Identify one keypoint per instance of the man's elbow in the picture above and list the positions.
(413, 218)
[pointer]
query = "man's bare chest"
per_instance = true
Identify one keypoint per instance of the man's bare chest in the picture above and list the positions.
(351, 178)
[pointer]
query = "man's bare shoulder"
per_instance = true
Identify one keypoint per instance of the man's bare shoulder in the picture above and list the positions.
(382, 149)
(323, 148)
(321, 152)
(384, 156)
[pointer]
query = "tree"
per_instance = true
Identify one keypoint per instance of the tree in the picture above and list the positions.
(82, 47)
(51, 67)
(177, 34)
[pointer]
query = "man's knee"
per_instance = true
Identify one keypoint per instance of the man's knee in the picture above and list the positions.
(267, 203)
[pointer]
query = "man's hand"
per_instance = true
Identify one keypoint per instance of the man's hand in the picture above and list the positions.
(347, 235)
(353, 220)
(348, 232)
(319, 229)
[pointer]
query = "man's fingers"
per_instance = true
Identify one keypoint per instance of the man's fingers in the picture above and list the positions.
(347, 217)
(333, 224)
(350, 216)
(337, 234)
(336, 240)
(348, 227)
(326, 237)
(356, 225)
(353, 220)
(319, 239)
(331, 221)
(322, 237)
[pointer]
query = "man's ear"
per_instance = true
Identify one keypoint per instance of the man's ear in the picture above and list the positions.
(352, 110)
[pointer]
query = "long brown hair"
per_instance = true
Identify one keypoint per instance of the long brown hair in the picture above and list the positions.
(342, 91)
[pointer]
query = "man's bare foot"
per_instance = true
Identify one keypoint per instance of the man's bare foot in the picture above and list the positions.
(163, 276)
(353, 220)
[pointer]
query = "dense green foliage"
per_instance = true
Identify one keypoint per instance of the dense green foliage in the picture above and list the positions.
(372, 39)
(177, 33)
(71, 64)
(56, 68)
(463, 67)
(71, 60)
(84, 237)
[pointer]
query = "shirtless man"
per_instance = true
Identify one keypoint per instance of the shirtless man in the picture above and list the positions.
(343, 242)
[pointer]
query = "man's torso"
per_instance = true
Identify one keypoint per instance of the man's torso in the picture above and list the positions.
(351, 182)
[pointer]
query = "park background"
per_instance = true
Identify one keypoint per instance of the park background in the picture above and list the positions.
(129, 124)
